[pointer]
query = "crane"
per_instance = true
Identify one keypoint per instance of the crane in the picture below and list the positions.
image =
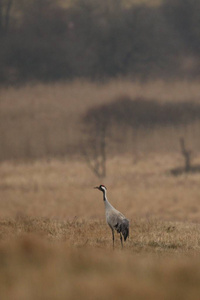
(116, 220)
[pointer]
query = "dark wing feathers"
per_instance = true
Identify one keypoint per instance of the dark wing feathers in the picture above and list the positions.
(123, 227)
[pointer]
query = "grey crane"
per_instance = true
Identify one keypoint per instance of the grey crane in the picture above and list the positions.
(116, 220)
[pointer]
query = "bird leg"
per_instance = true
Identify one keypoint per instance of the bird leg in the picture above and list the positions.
(113, 238)
(121, 239)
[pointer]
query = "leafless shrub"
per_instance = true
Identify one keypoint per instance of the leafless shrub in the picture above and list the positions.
(187, 158)
(186, 154)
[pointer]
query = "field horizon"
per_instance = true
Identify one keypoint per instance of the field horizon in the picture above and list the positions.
(62, 188)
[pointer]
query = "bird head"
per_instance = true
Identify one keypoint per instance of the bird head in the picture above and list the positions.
(101, 188)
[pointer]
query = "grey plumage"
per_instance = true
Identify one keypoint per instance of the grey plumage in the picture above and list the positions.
(116, 220)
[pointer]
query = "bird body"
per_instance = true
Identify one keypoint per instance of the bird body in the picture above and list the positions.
(115, 219)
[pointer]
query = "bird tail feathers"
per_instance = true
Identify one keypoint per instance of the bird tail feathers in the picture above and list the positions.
(125, 229)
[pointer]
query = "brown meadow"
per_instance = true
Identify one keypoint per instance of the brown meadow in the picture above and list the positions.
(54, 241)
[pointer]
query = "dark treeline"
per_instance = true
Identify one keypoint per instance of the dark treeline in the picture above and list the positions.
(42, 40)
(142, 113)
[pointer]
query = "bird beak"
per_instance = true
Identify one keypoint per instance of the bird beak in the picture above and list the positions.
(96, 187)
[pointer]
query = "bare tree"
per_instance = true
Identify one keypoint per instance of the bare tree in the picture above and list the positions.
(94, 149)
(186, 154)
(96, 123)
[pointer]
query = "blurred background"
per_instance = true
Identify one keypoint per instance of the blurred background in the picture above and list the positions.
(90, 77)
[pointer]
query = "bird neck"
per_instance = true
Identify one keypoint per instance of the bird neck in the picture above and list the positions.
(105, 196)
(106, 202)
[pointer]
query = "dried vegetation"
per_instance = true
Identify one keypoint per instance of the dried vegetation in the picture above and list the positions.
(55, 243)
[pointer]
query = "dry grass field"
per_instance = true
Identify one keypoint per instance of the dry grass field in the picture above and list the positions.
(54, 241)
